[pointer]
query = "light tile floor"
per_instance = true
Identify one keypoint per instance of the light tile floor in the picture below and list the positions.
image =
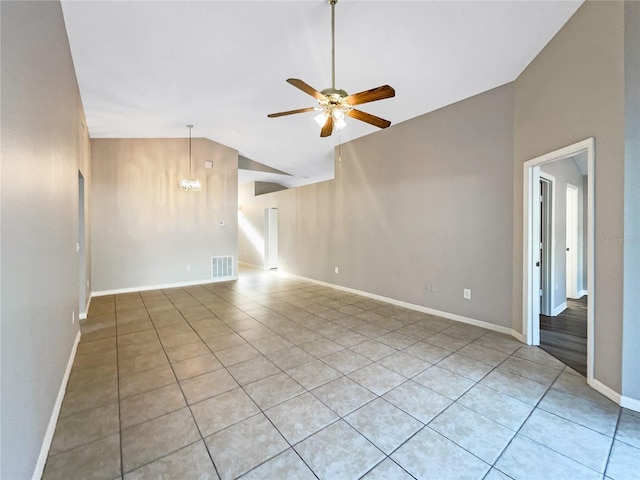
(274, 378)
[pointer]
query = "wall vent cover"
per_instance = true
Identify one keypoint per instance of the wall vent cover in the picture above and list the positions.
(222, 267)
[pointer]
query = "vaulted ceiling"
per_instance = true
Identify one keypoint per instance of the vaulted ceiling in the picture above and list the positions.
(146, 69)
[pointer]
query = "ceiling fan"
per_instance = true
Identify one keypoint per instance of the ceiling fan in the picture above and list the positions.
(333, 103)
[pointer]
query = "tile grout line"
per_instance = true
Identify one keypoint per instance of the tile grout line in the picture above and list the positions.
(178, 382)
(115, 313)
(613, 440)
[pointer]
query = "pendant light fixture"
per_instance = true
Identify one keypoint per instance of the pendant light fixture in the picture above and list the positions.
(190, 184)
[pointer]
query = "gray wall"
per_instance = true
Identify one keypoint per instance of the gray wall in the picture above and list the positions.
(564, 172)
(573, 90)
(631, 309)
(428, 200)
(42, 150)
(145, 229)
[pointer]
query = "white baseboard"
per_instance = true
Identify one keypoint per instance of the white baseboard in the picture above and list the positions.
(419, 308)
(518, 336)
(582, 293)
(630, 403)
(144, 288)
(48, 436)
(253, 265)
(559, 309)
(626, 402)
(83, 315)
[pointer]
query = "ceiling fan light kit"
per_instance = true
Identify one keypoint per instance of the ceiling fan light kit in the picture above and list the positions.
(190, 184)
(334, 104)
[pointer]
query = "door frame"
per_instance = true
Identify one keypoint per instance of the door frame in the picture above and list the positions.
(531, 226)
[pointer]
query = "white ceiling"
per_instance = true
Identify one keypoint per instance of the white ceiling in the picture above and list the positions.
(147, 69)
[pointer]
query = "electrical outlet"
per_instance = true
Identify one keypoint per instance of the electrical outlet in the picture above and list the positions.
(336, 270)
(188, 267)
(427, 287)
(73, 317)
(467, 293)
(88, 285)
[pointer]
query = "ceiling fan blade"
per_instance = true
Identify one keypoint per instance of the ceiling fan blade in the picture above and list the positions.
(328, 127)
(306, 88)
(291, 112)
(368, 118)
(378, 93)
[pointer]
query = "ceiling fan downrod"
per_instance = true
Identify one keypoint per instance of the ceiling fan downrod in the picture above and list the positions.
(333, 43)
(333, 91)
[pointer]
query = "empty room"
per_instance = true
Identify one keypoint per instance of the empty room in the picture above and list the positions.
(320, 239)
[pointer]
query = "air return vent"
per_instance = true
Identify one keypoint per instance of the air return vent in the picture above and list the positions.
(221, 267)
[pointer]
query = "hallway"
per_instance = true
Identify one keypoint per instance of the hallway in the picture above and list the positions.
(565, 336)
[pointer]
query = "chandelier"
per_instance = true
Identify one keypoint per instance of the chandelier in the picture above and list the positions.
(190, 184)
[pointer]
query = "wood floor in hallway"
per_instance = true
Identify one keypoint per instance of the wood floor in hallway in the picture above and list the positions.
(565, 336)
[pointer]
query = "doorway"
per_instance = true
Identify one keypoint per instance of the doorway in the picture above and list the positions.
(533, 274)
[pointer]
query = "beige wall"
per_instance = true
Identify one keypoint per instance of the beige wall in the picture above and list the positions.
(145, 229)
(42, 151)
(574, 90)
(428, 200)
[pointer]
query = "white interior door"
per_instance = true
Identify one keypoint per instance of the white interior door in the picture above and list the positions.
(271, 238)
(546, 244)
(572, 242)
(82, 258)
